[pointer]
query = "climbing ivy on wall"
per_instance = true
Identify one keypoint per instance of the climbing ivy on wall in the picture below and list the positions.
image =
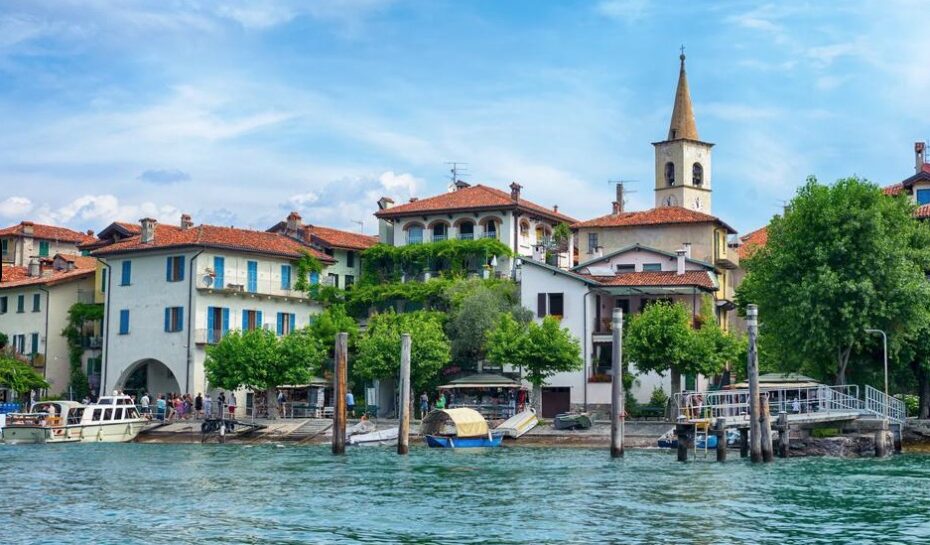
(384, 263)
(78, 314)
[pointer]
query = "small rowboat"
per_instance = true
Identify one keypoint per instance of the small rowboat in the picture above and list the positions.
(438, 441)
(518, 424)
(458, 428)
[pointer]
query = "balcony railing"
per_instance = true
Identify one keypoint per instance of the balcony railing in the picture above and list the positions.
(91, 342)
(489, 234)
(415, 239)
(208, 336)
(439, 238)
(240, 284)
(85, 297)
(466, 236)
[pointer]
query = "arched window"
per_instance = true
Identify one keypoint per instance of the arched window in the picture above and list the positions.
(440, 232)
(524, 229)
(466, 230)
(414, 234)
(490, 229)
(670, 173)
(697, 174)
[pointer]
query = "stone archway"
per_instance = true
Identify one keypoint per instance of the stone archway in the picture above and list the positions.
(148, 375)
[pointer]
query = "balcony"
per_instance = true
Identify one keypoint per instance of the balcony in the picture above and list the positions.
(91, 342)
(85, 297)
(240, 286)
(466, 236)
(208, 336)
(439, 238)
(728, 260)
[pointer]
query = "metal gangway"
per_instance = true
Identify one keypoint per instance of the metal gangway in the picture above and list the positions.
(809, 404)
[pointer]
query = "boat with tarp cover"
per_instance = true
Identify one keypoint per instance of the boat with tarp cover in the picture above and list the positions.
(458, 428)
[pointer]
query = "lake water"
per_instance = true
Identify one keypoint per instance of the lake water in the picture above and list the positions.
(148, 493)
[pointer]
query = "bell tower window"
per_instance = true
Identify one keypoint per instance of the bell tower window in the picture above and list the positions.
(670, 173)
(697, 174)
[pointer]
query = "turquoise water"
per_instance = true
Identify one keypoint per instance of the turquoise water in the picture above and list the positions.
(146, 493)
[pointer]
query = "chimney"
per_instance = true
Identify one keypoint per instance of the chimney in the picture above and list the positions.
(459, 184)
(686, 246)
(617, 207)
(918, 156)
(294, 223)
(515, 191)
(681, 262)
(28, 228)
(35, 268)
(385, 202)
(148, 230)
(90, 232)
(186, 222)
(555, 208)
(414, 199)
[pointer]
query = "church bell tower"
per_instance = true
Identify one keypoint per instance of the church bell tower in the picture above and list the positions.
(683, 168)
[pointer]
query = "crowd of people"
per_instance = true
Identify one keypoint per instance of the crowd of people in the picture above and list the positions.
(175, 406)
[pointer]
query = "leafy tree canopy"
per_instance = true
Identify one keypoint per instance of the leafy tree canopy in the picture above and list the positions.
(379, 348)
(19, 377)
(259, 360)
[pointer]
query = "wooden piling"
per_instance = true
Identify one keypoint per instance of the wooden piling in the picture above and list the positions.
(752, 371)
(896, 438)
(768, 453)
(339, 387)
(720, 429)
(618, 401)
(881, 440)
(744, 442)
(684, 432)
(403, 432)
(783, 434)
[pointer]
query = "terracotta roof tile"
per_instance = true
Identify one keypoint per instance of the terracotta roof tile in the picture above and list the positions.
(48, 232)
(752, 241)
(893, 189)
(15, 277)
(922, 212)
(699, 279)
(653, 216)
(211, 236)
(470, 198)
(339, 239)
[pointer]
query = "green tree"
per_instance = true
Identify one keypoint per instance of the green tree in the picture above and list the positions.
(4, 340)
(19, 377)
(660, 339)
(842, 258)
(334, 319)
(914, 355)
(474, 310)
(378, 354)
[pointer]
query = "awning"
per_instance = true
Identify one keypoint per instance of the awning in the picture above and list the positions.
(483, 380)
(467, 422)
(780, 381)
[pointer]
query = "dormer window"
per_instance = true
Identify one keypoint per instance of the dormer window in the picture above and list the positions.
(697, 174)
(670, 173)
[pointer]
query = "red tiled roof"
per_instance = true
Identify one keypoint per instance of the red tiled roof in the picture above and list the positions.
(15, 277)
(476, 197)
(893, 189)
(211, 236)
(699, 279)
(654, 216)
(922, 212)
(339, 239)
(48, 232)
(752, 241)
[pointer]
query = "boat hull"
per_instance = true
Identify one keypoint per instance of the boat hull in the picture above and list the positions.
(517, 425)
(438, 441)
(112, 432)
(381, 438)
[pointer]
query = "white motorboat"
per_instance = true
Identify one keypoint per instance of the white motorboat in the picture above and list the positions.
(518, 424)
(113, 419)
(380, 438)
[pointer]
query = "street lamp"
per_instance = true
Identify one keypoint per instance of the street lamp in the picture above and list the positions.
(885, 354)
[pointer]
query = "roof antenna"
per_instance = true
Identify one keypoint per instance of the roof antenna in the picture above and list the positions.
(622, 192)
(361, 225)
(457, 172)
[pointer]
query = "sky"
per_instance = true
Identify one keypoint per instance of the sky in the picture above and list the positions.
(239, 112)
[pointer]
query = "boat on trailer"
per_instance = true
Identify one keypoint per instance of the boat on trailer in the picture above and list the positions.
(458, 428)
(113, 419)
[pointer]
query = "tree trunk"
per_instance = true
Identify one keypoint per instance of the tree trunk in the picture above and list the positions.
(923, 389)
(537, 398)
(842, 362)
(676, 380)
(271, 402)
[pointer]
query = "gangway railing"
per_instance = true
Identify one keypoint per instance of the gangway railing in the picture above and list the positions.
(879, 404)
(734, 404)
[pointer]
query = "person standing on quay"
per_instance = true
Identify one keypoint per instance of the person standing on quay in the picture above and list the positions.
(424, 404)
(232, 403)
(350, 403)
(144, 403)
(221, 403)
(207, 406)
(198, 405)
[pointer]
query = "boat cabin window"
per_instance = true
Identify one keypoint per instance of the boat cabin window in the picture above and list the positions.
(131, 412)
(106, 401)
(75, 415)
(96, 415)
(118, 414)
(124, 401)
(108, 414)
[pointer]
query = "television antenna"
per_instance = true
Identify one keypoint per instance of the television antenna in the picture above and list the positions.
(622, 191)
(457, 171)
(361, 225)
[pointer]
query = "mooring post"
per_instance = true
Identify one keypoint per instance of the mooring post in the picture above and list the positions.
(768, 453)
(881, 440)
(683, 431)
(783, 434)
(618, 401)
(403, 432)
(339, 387)
(744, 442)
(898, 439)
(720, 429)
(752, 371)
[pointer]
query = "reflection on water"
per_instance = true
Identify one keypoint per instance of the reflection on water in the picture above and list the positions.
(144, 493)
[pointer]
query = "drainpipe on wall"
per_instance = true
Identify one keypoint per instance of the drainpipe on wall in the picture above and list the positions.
(587, 353)
(48, 300)
(190, 321)
(106, 327)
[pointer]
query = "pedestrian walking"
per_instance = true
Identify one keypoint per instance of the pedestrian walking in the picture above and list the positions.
(424, 404)
(350, 403)
(198, 405)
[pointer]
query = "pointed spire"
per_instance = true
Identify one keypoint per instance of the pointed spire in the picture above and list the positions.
(682, 125)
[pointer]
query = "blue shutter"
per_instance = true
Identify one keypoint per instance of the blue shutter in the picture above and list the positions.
(127, 273)
(124, 322)
(35, 343)
(258, 320)
(219, 271)
(252, 276)
(293, 322)
(180, 318)
(285, 277)
(280, 323)
(314, 278)
(181, 267)
(168, 319)
(245, 320)
(168, 269)
(211, 325)
(225, 320)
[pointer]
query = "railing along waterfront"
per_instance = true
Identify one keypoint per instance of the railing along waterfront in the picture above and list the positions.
(734, 404)
(880, 404)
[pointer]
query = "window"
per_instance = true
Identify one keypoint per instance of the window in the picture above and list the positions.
(117, 414)
(5, 246)
(286, 323)
(103, 281)
(19, 344)
(652, 267)
(697, 174)
(217, 323)
(333, 279)
(36, 302)
(592, 243)
(466, 230)
(96, 416)
(108, 414)
(174, 319)
(43, 248)
(252, 276)
(550, 304)
(414, 234)
(124, 322)
(440, 232)
(350, 259)
(329, 251)
(923, 196)
(626, 268)
(3, 304)
(20, 304)
(314, 278)
(490, 229)
(285, 277)
(175, 268)
(126, 277)
(251, 319)
(219, 272)
(35, 343)
(670, 173)
(524, 229)
(350, 280)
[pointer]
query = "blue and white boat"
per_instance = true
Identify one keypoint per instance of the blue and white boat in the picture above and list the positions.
(458, 428)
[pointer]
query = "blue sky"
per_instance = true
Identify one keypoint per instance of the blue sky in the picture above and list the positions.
(237, 112)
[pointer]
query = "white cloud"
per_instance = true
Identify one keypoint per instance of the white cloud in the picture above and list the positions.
(303, 200)
(15, 207)
(623, 10)
(399, 184)
(103, 209)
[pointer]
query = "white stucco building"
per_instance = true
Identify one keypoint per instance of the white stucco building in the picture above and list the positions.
(174, 290)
